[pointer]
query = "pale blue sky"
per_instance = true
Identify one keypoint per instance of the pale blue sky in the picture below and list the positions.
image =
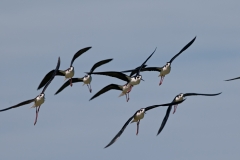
(33, 35)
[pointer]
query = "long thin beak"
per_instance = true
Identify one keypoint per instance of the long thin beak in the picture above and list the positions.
(142, 79)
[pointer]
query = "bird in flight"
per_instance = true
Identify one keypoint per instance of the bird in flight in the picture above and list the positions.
(68, 73)
(87, 79)
(136, 117)
(180, 97)
(167, 67)
(39, 100)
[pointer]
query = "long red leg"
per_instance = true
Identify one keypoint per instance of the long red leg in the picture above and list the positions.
(162, 77)
(89, 87)
(127, 96)
(70, 81)
(130, 89)
(138, 126)
(175, 108)
(37, 110)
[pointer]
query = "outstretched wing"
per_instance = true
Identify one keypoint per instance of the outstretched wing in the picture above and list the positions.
(118, 75)
(200, 94)
(184, 48)
(53, 75)
(74, 80)
(98, 64)
(166, 104)
(120, 132)
(145, 62)
(18, 105)
(232, 79)
(165, 119)
(80, 52)
(105, 89)
(134, 71)
(158, 69)
(48, 77)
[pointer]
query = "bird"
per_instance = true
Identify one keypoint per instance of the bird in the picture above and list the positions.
(167, 67)
(39, 100)
(87, 78)
(68, 73)
(134, 80)
(136, 117)
(232, 79)
(124, 88)
(177, 98)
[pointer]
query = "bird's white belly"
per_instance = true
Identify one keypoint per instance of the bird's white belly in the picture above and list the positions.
(69, 74)
(138, 116)
(39, 101)
(87, 80)
(178, 99)
(126, 88)
(165, 71)
(135, 81)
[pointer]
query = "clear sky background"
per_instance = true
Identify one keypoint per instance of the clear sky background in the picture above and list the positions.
(33, 35)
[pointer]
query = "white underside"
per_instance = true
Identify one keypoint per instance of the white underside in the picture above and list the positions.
(69, 74)
(165, 71)
(87, 80)
(138, 117)
(125, 89)
(38, 101)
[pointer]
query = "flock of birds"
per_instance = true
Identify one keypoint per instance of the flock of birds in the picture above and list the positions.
(131, 80)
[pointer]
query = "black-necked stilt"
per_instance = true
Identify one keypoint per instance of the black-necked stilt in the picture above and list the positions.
(68, 73)
(166, 68)
(39, 100)
(180, 97)
(232, 79)
(87, 78)
(138, 115)
(134, 80)
(124, 88)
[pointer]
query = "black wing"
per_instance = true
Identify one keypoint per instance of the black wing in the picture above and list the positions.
(134, 71)
(118, 75)
(80, 52)
(145, 62)
(166, 104)
(232, 79)
(53, 75)
(105, 89)
(184, 48)
(158, 69)
(165, 119)
(98, 64)
(120, 132)
(74, 80)
(18, 105)
(48, 77)
(200, 94)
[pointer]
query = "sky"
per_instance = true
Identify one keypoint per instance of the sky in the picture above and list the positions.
(34, 34)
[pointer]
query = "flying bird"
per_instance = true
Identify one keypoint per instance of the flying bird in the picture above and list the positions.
(166, 68)
(178, 98)
(232, 79)
(68, 73)
(136, 117)
(124, 88)
(87, 78)
(134, 80)
(39, 100)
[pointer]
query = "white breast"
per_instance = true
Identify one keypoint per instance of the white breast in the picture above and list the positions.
(134, 81)
(165, 70)
(69, 73)
(39, 101)
(87, 80)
